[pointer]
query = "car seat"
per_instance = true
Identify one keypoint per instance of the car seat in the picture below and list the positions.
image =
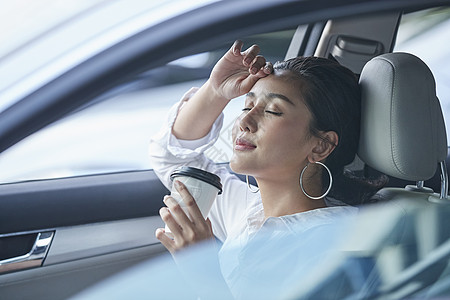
(402, 128)
(403, 135)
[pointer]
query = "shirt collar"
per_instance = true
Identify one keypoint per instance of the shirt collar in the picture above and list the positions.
(299, 222)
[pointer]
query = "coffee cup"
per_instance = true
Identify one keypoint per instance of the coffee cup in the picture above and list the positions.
(202, 185)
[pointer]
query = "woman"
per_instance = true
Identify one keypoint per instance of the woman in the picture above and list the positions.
(298, 129)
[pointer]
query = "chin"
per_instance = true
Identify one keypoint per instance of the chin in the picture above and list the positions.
(234, 166)
(238, 166)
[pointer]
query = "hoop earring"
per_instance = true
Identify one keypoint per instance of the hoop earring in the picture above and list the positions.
(329, 187)
(249, 187)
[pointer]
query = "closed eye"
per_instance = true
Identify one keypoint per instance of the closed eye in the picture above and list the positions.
(273, 113)
(267, 111)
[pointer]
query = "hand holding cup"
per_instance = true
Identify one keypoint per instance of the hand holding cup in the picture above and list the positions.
(187, 206)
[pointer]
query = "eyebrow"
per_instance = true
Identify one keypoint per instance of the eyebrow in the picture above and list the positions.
(282, 97)
(273, 96)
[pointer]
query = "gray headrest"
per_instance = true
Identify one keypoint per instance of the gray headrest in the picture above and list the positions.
(402, 129)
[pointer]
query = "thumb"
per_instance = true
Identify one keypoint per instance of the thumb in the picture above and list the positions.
(208, 222)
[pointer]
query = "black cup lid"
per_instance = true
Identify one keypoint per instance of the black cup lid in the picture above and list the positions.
(205, 176)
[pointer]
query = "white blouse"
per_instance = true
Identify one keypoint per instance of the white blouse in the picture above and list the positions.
(237, 215)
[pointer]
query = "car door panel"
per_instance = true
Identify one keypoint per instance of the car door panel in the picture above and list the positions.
(98, 225)
(79, 200)
(62, 280)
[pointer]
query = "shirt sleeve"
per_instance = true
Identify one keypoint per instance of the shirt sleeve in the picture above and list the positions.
(168, 153)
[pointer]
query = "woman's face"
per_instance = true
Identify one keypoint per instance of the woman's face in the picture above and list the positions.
(271, 137)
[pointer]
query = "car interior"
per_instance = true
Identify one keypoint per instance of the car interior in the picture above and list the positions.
(60, 236)
(401, 88)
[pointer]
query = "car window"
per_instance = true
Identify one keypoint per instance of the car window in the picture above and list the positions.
(113, 133)
(425, 34)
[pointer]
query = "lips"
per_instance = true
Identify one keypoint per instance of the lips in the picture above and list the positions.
(243, 145)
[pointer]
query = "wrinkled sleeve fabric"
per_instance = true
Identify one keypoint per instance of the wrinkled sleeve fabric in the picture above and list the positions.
(168, 153)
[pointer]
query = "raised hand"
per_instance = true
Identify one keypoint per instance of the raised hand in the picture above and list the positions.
(233, 75)
(236, 72)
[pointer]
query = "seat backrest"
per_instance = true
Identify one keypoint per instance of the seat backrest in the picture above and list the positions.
(403, 135)
(402, 128)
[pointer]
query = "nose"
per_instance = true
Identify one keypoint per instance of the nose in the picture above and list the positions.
(248, 121)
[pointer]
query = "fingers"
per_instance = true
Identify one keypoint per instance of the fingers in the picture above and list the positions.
(192, 207)
(165, 240)
(187, 228)
(264, 71)
(237, 47)
(170, 221)
(250, 56)
(208, 222)
(176, 210)
(256, 63)
(268, 68)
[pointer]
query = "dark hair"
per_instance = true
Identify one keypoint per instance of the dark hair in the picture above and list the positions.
(332, 94)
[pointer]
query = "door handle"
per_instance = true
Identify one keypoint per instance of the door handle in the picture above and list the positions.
(33, 258)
